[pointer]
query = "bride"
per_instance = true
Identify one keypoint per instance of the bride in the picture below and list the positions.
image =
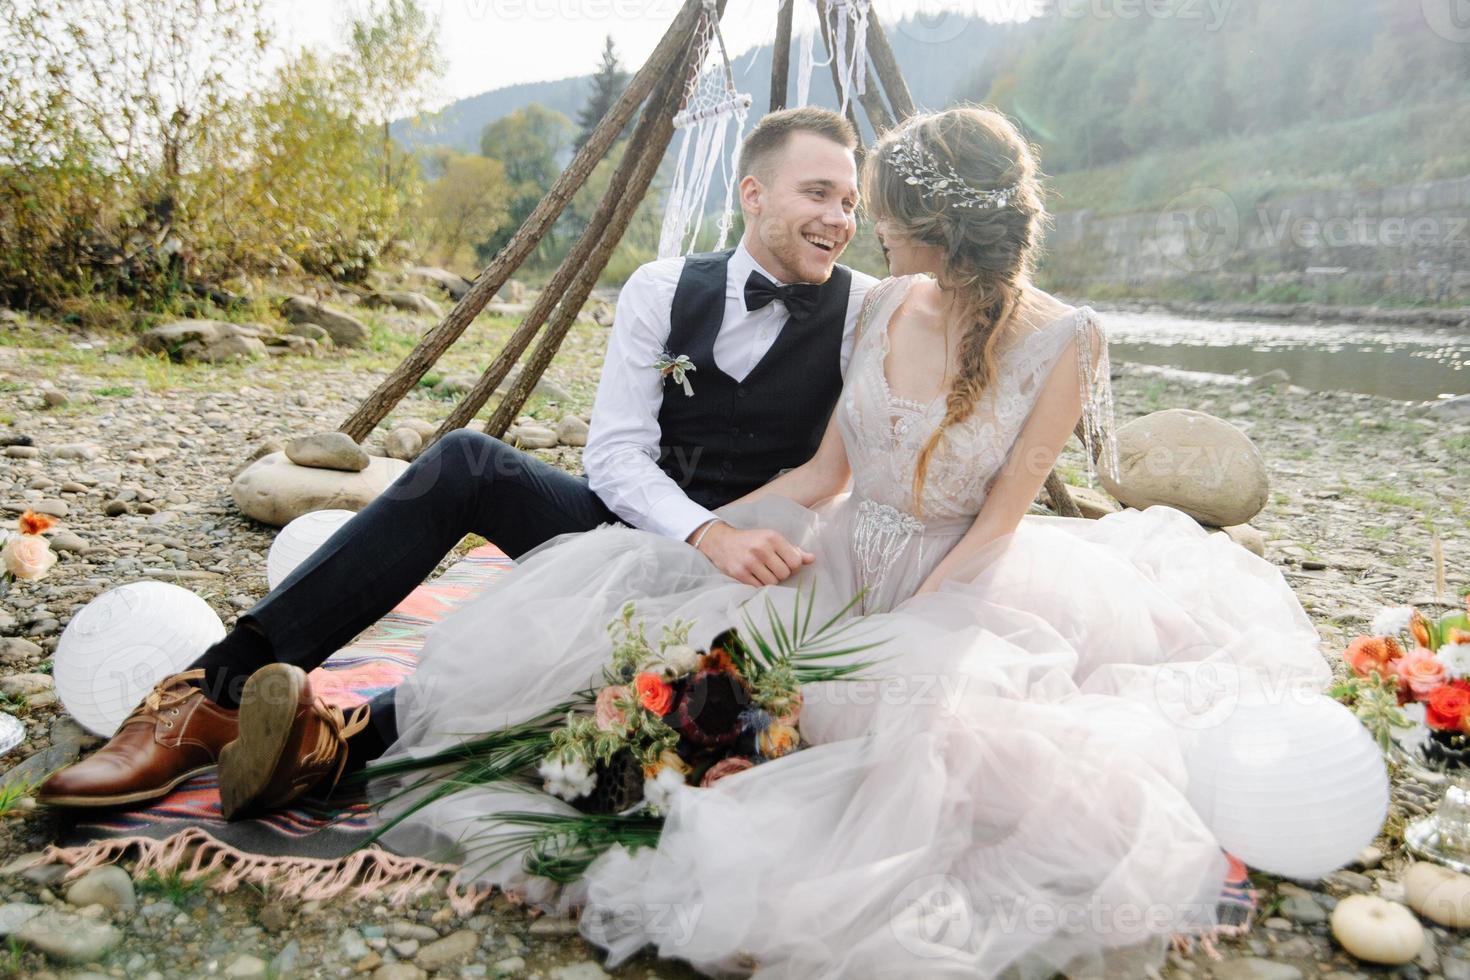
(1005, 793)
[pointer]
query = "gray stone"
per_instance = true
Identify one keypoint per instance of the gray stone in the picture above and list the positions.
(275, 490)
(572, 431)
(109, 886)
(403, 929)
(1272, 377)
(309, 331)
(114, 508)
(351, 944)
(1450, 408)
(247, 967)
(54, 398)
(1247, 537)
(1191, 461)
(22, 452)
(77, 450)
(67, 937)
(456, 286)
(68, 542)
(399, 971)
(580, 971)
(51, 507)
(409, 302)
(403, 443)
(1302, 909)
(284, 963)
(346, 331)
(14, 650)
(328, 451)
(453, 948)
(16, 914)
(1254, 968)
(531, 437)
(25, 685)
(210, 341)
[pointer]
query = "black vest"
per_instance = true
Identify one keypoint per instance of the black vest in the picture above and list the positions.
(732, 436)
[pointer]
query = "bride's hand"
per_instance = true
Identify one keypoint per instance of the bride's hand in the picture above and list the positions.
(755, 557)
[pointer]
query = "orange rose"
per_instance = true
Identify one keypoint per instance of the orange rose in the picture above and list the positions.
(1373, 655)
(33, 523)
(725, 767)
(653, 693)
(1420, 671)
(1448, 706)
(776, 741)
(1457, 636)
(1419, 626)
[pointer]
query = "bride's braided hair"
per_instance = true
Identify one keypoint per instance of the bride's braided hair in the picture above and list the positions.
(990, 251)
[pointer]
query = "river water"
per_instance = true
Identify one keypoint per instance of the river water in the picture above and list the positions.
(1407, 363)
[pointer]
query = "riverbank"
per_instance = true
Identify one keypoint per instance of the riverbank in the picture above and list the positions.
(1420, 316)
(1360, 487)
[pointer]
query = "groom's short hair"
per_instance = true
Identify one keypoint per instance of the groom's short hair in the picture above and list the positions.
(772, 132)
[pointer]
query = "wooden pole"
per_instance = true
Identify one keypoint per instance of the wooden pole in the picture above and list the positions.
(662, 132)
(675, 43)
(781, 55)
(621, 186)
(886, 65)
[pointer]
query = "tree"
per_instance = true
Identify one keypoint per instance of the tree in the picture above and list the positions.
(607, 85)
(531, 144)
(468, 203)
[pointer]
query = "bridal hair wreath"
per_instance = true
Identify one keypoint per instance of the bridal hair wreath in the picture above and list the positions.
(918, 168)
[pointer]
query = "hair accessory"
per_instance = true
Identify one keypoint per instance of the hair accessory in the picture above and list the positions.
(918, 167)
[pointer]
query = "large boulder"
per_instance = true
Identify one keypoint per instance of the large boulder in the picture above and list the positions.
(276, 491)
(345, 331)
(456, 286)
(206, 340)
(1194, 462)
(406, 301)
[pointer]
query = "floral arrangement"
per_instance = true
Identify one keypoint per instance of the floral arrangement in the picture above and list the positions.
(26, 554)
(665, 717)
(1412, 672)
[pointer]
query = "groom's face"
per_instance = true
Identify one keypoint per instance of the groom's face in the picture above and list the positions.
(801, 208)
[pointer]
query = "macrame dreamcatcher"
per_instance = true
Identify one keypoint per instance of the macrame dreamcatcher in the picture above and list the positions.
(711, 105)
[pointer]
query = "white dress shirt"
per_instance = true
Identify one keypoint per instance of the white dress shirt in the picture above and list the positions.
(622, 451)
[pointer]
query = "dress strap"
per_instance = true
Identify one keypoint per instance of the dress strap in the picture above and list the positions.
(1099, 438)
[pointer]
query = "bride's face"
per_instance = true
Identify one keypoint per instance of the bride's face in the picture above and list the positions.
(904, 254)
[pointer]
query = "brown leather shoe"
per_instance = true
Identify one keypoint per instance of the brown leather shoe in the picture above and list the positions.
(290, 741)
(174, 734)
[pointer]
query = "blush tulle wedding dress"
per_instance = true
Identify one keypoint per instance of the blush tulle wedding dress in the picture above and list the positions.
(1003, 795)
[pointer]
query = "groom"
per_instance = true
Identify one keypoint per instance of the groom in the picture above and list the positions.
(767, 331)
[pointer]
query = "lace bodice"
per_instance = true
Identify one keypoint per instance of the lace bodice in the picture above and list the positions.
(884, 434)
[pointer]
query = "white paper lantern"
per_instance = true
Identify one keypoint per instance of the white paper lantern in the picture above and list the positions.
(125, 641)
(1296, 788)
(299, 540)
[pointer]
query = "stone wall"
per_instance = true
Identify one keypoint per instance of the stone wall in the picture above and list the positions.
(1408, 243)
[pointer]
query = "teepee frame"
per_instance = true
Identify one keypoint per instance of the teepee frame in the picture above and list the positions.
(659, 88)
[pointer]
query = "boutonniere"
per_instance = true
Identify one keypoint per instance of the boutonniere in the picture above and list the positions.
(677, 368)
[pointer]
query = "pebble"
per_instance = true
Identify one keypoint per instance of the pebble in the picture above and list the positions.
(452, 948)
(328, 450)
(110, 887)
(591, 971)
(403, 929)
(22, 452)
(51, 507)
(398, 971)
(77, 450)
(114, 508)
(69, 937)
(1302, 909)
(247, 967)
(65, 541)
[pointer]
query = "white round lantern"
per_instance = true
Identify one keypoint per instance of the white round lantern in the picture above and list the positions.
(125, 641)
(1296, 788)
(299, 540)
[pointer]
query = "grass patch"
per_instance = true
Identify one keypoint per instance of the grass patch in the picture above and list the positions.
(12, 793)
(172, 887)
(114, 391)
(1394, 498)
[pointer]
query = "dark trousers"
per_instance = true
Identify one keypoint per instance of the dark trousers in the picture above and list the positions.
(466, 483)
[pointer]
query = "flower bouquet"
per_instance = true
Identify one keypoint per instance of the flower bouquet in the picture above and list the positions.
(664, 717)
(26, 554)
(1410, 686)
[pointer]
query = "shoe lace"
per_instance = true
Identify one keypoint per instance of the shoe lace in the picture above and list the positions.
(332, 736)
(168, 693)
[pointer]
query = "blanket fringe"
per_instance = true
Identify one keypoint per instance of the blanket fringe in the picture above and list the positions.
(195, 854)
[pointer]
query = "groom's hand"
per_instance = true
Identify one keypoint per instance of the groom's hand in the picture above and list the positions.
(755, 557)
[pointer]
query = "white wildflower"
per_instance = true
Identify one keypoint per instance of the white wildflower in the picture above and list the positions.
(1391, 621)
(676, 661)
(1456, 659)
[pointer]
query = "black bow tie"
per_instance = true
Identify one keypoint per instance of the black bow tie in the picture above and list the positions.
(800, 298)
